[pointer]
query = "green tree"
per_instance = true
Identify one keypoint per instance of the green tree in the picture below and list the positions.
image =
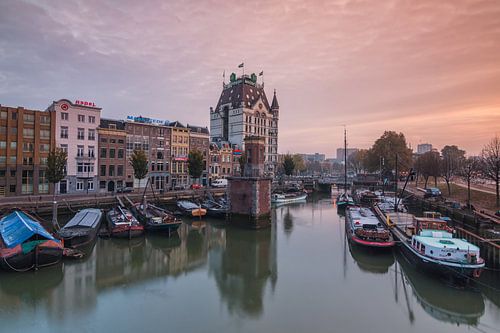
(386, 148)
(56, 166)
(451, 162)
(490, 164)
(56, 171)
(469, 171)
(195, 164)
(299, 164)
(139, 162)
(242, 161)
(357, 161)
(288, 164)
(429, 166)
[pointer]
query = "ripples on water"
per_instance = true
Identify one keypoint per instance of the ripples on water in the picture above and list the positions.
(299, 275)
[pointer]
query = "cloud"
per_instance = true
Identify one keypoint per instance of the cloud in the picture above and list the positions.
(367, 64)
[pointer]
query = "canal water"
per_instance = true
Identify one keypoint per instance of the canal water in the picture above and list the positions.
(299, 275)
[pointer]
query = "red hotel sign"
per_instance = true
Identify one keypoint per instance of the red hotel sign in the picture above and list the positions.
(85, 103)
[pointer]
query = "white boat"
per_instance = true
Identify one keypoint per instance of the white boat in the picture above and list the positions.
(281, 198)
(429, 243)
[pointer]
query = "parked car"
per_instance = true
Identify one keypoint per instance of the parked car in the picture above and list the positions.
(124, 190)
(196, 186)
(219, 183)
(432, 192)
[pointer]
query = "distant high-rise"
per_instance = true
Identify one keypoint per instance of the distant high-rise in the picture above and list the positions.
(243, 110)
(340, 153)
(424, 148)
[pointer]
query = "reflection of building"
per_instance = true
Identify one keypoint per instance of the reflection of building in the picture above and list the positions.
(112, 158)
(243, 110)
(26, 136)
(76, 133)
(243, 269)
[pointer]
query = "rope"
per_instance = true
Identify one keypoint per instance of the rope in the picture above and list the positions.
(15, 269)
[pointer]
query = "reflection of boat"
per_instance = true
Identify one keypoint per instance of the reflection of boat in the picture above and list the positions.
(122, 224)
(25, 244)
(368, 262)
(82, 229)
(364, 228)
(429, 243)
(282, 198)
(457, 306)
(189, 208)
(156, 219)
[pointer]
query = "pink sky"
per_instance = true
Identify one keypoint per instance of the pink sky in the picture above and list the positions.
(430, 69)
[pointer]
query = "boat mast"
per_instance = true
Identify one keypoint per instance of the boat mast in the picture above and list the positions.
(345, 160)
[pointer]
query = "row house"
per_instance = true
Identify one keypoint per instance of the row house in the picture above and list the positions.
(224, 160)
(75, 130)
(180, 152)
(26, 137)
(155, 140)
(112, 159)
(199, 139)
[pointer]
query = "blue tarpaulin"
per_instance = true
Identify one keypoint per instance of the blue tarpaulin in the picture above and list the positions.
(17, 227)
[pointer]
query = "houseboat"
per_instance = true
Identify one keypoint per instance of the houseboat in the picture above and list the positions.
(429, 243)
(365, 229)
(156, 219)
(191, 209)
(26, 245)
(284, 198)
(122, 224)
(82, 229)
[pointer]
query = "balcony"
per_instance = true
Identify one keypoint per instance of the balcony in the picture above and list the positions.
(86, 175)
(82, 158)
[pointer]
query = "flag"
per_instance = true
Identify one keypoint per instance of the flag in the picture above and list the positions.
(241, 65)
(261, 73)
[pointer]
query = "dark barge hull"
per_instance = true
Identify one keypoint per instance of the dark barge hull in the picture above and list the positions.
(162, 228)
(82, 240)
(45, 256)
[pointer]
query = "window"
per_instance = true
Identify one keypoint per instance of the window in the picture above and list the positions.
(12, 173)
(45, 120)
(91, 134)
(28, 147)
(64, 116)
(64, 132)
(120, 141)
(43, 182)
(12, 188)
(79, 185)
(111, 153)
(2, 173)
(3, 129)
(119, 170)
(91, 151)
(111, 170)
(45, 134)
(103, 153)
(13, 145)
(159, 155)
(79, 167)
(44, 147)
(120, 153)
(3, 144)
(79, 152)
(104, 140)
(81, 134)
(64, 148)
(13, 160)
(28, 133)
(29, 118)
(43, 160)
(112, 140)
(92, 119)
(161, 132)
(3, 160)
(103, 171)
(81, 118)
(90, 185)
(3, 114)
(102, 184)
(112, 126)
(27, 160)
(27, 182)
(14, 115)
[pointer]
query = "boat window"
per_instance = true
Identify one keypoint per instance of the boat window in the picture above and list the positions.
(422, 247)
(445, 241)
(448, 254)
(431, 252)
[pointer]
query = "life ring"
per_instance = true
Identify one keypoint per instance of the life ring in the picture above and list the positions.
(476, 273)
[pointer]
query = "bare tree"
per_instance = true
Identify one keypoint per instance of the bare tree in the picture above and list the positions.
(468, 172)
(451, 162)
(490, 164)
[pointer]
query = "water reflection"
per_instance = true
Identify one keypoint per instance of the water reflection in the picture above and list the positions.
(441, 301)
(372, 261)
(244, 268)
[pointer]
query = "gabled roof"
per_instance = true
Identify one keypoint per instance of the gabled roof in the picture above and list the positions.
(198, 129)
(243, 91)
(119, 124)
